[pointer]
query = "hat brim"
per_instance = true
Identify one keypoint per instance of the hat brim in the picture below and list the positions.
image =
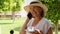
(45, 9)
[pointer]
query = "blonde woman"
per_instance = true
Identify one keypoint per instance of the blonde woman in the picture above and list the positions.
(36, 23)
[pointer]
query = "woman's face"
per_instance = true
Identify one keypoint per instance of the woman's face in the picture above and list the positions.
(35, 11)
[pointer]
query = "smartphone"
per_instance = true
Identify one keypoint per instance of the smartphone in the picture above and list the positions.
(29, 15)
(30, 29)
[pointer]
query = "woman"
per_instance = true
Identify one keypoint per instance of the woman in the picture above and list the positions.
(36, 23)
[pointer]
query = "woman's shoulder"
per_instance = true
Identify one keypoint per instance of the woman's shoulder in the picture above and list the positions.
(46, 21)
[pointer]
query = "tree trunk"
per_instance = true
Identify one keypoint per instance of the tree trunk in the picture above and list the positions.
(13, 16)
(56, 29)
(4, 15)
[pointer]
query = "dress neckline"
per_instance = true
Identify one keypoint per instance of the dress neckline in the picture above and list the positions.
(38, 22)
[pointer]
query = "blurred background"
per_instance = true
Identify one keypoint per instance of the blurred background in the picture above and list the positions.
(13, 16)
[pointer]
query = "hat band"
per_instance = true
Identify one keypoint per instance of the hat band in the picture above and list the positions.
(34, 2)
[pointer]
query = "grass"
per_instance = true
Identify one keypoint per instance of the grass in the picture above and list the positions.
(7, 25)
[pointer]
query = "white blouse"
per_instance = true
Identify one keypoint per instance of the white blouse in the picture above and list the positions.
(43, 25)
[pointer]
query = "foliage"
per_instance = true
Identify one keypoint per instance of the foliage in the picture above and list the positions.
(9, 5)
(53, 10)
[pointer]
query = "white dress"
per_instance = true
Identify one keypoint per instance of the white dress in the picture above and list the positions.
(43, 25)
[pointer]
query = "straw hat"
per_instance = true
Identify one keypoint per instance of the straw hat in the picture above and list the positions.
(36, 3)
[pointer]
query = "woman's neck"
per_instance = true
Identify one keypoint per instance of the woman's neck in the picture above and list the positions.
(38, 18)
(36, 21)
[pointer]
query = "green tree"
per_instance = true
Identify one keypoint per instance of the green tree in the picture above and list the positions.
(15, 6)
(10, 5)
(4, 6)
(53, 13)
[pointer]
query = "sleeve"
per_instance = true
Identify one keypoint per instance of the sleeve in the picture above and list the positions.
(47, 25)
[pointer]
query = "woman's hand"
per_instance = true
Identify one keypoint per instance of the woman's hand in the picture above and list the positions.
(36, 32)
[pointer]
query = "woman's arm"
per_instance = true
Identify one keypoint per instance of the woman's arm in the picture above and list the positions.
(49, 31)
(22, 31)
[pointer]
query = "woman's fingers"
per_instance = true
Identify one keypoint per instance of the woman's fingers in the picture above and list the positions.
(38, 31)
(33, 33)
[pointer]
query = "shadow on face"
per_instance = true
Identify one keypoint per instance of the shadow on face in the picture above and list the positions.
(36, 11)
